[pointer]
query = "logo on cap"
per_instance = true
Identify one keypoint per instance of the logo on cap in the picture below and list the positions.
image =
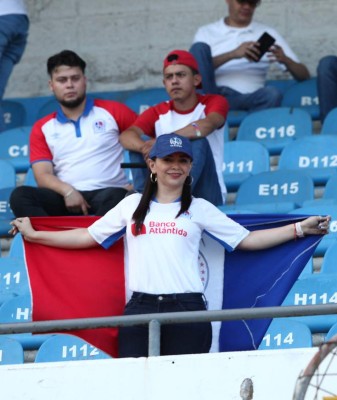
(176, 142)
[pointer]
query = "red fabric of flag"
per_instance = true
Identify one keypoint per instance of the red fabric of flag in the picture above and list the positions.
(68, 284)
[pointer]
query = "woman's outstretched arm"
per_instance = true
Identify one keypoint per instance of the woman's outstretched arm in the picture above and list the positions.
(265, 238)
(69, 239)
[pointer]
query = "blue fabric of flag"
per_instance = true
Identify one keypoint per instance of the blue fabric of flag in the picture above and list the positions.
(260, 279)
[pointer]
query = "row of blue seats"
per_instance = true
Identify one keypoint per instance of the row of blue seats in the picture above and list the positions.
(246, 172)
(248, 154)
(58, 347)
(282, 333)
(25, 111)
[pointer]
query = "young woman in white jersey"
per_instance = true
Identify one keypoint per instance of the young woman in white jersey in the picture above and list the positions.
(162, 229)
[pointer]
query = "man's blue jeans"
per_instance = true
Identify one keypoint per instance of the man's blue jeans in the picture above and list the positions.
(13, 39)
(266, 97)
(205, 179)
(327, 84)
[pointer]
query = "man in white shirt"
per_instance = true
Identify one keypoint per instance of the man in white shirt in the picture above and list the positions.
(228, 52)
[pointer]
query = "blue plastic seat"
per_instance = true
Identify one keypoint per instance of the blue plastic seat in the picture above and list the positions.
(323, 209)
(19, 309)
(316, 289)
(308, 269)
(14, 147)
(331, 333)
(48, 107)
(7, 175)
(11, 351)
(329, 194)
(329, 264)
(62, 347)
(275, 127)
(329, 126)
(304, 95)
(226, 132)
(128, 170)
(13, 278)
(14, 114)
(29, 179)
(235, 118)
(316, 155)
(281, 84)
(16, 247)
(116, 95)
(284, 333)
(6, 214)
(243, 159)
(142, 99)
(273, 192)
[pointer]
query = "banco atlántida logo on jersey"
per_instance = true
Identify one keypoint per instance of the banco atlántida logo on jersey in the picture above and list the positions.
(161, 228)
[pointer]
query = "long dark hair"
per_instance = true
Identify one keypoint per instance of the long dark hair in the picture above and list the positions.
(150, 189)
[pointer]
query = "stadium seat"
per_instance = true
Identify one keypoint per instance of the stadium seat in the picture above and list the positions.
(329, 263)
(243, 159)
(273, 192)
(317, 289)
(323, 209)
(284, 333)
(29, 179)
(304, 95)
(14, 114)
(6, 214)
(8, 175)
(316, 155)
(127, 170)
(331, 333)
(63, 347)
(281, 84)
(48, 107)
(235, 118)
(308, 269)
(226, 132)
(116, 95)
(11, 351)
(19, 309)
(329, 194)
(329, 126)
(14, 147)
(140, 100)
(275, 127)
(13, 278)
(16, 247)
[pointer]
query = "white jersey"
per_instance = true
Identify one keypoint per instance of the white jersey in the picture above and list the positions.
(86, 153)
(164, 257)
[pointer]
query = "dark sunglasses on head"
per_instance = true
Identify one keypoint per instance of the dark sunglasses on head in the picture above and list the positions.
(250, 2)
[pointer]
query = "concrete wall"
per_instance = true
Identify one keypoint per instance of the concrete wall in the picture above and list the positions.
(218, 376)
(124, 41)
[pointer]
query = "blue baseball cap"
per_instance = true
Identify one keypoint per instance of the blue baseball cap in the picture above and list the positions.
(170, 143)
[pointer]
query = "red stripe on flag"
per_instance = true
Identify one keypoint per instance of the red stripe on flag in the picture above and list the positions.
(68, 284)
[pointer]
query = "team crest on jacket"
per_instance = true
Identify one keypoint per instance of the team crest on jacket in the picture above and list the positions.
(99, 126)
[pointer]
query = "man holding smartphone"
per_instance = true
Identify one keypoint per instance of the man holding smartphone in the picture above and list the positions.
(231, 63)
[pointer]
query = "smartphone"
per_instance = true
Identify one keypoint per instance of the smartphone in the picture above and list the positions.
(265, 41)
